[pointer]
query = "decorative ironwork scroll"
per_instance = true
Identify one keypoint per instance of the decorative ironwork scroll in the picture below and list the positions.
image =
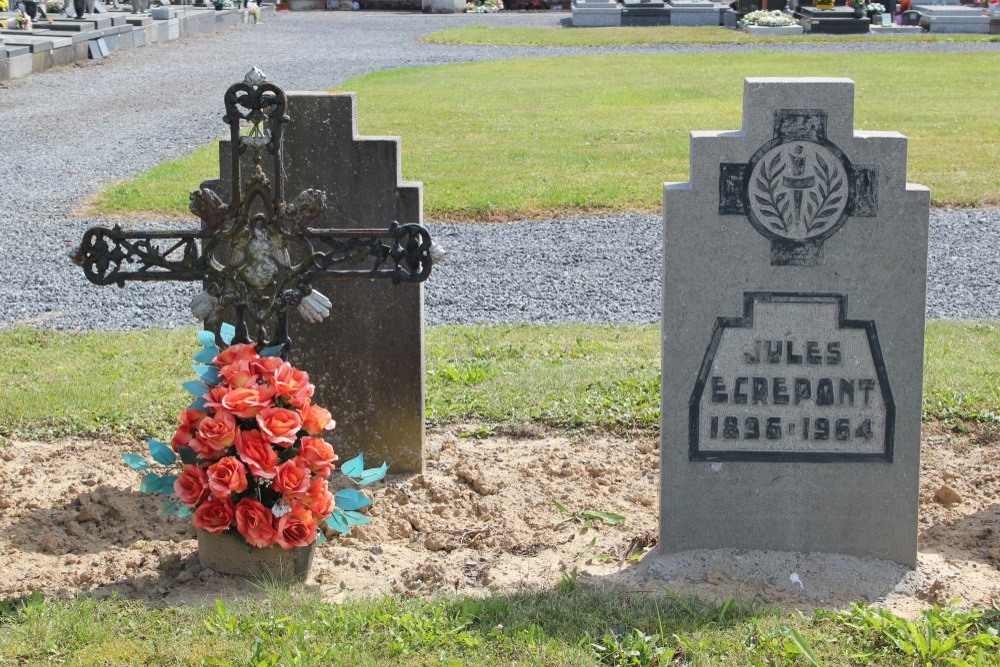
(257, 253)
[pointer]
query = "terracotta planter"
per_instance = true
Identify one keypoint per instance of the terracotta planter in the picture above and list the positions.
(229, 554)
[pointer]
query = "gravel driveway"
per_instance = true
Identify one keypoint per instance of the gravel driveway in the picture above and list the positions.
(72, 129)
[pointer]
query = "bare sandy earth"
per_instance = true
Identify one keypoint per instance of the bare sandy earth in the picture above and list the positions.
(483, 518)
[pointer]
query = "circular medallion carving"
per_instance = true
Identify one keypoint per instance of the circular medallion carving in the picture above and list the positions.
(798, 191)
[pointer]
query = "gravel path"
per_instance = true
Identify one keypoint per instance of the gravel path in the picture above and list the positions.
(71, 129)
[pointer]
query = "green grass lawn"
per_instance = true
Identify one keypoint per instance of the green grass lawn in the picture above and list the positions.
(531, 138)
(570, 625)
(569, 376)
(605, 37)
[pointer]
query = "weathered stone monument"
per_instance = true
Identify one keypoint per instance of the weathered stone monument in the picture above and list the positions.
(320, 252)
(367, 360)
(794, 276)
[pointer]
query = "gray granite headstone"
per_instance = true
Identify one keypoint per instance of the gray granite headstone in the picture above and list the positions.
(367, 358)
(794, 275)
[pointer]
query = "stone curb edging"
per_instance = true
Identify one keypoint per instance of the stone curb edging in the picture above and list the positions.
(24, 52)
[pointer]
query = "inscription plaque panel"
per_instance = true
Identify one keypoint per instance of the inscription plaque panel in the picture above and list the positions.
(792, 380)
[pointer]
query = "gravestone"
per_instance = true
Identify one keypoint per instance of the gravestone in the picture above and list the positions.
(367, 359)
(794, 271)
(260, 254)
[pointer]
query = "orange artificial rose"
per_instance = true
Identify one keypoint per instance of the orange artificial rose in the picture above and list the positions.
(318, 499)
(315, 419)
(266, 366)
(255, 523)
(190, 420)
(317, 455)
(191, 485)
(234, 353)
(296, 529)
(257, 453)
(215, 434)
(279, 425)
(238, 374)
(214, 516)
(246, 402)
(291, 479)
(213, 399)
(292, 385)
(227, 476)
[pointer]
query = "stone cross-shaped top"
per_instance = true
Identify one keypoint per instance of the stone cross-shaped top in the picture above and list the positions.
(258, 255)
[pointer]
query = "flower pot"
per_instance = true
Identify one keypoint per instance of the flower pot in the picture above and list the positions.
(229, 554)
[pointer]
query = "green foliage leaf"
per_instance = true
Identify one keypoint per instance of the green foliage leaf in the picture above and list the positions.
(188, 455)
(349, 499)
(373, 475)
(338, 522)
(135, 462)
(208, 374)
(167, 508)
(273, 351)
(227, 332)
(196, 388)
(206, 355)
(801, 645)
(150, 483)
(184, 511)
(320, 537)
(356, 518)
(607, 517)
(207, 339)
(160, 452)
(354, 467)
(166, 486)
(198, 404)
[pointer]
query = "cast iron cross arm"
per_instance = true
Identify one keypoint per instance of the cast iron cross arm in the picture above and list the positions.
(258, 254)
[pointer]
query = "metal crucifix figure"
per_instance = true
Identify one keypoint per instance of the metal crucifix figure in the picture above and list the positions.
(257, 254)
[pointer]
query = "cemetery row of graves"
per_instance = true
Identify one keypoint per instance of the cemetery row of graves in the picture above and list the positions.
(783, 17)
(37, 36)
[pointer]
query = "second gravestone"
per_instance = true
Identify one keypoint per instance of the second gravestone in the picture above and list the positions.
(793, 319)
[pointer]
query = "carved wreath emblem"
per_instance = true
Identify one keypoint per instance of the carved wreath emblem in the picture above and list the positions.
(799, 190)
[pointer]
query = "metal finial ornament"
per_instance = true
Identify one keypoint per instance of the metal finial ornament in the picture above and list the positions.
(258, 253)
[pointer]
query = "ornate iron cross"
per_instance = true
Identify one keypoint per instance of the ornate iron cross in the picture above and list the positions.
(257, 254)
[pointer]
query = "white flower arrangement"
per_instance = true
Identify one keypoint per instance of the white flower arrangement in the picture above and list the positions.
(54, 6)
(772, 19)
(484, 6)
(874, 8)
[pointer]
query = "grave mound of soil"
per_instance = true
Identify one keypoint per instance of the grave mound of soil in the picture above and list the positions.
(495, 513)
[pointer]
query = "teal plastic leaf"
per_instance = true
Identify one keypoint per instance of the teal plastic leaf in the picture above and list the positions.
(167, 508)
(188, 455)
(227, 332)
(273, 351)
(161, 453)
(167, 484)
(184, 511)
(198, 404)
(354, 467)
(207, 355)
(135, 462)
(373, 474)
(320, 537)
(208, 374)
(349, 499)
(338, 522)
(356, 518)
(150, 483)
(195, 388)
(206, 338)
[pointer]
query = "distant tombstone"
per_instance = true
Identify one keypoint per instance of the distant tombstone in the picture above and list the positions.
(367, 359)
(793, 318)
